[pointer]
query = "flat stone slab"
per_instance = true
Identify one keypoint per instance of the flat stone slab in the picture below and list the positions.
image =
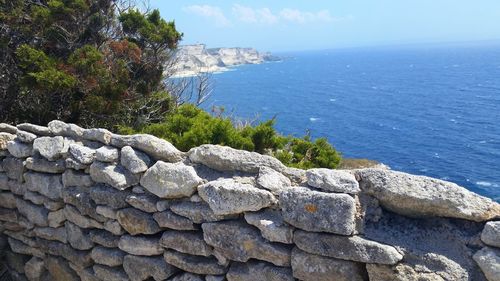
(140, 245)
(170, 220)
(318, 211)
(332, 180)
(107, 256)
(140, 268)
(194, 264)
(224, 158)
(354, 248)
(157, 148)
(309, 267)
(170, 180)
(115, 175)
(197, 212)
(187, 242)
(137, 222)
(240, 242)
(43, 165)
(251, 270)
(227, 196)
(418, 196)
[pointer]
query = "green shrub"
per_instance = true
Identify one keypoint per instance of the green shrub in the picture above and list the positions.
(190, 126)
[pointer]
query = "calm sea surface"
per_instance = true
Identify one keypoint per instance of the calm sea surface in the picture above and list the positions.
(432, 111)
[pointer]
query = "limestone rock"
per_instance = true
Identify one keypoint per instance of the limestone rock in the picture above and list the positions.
(60, 128)
(156, 147)
(111, 197)
(82, 258)
(353, 248)
(25, 137)
(9, 215)
(114, 227)
(271, 226)
(77, 237)
(187, 242)
(104, 238)
(490, 234)
(114, 175)
(140, 268)
(194, 264)
(107, 154)
(7, 200)
(57, 218)
(309, 267)
(14, 168)
(140, 245)
(5, 138)
(318, 211)
(110, 273)
(107, 256)
(135, 161)
(74, 178)
(36, 129)
(223, 158)
(227, 196)
(34, 268)
(170, 180)
(272, 180)
(488, 260)
(170, 220)
(197, 212)
(252, 270)
(19, 149)
(85, 274)
(34, 197)
(51, 148)
(73, 215)
(80, 198)
(82, 154)
(187, 276)
(59, 269)
(35, 214)
(332, 180)
(45, 184)
(45, 166)
(137, 222)
(49, 233)
(101, 135)
(19, 247)
(418, 196)
(106, 211)
(143, 202)
(240, 242)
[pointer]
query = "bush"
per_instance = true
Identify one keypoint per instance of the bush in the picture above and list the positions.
(190, 126)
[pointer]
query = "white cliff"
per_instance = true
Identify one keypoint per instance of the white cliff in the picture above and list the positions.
(193, 59)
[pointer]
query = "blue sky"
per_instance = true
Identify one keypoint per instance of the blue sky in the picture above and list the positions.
(320, 24)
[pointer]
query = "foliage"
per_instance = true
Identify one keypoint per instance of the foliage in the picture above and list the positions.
(87, 62)
(190, 126)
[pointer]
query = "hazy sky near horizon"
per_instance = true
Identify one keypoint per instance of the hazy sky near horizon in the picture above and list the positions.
(322, 24)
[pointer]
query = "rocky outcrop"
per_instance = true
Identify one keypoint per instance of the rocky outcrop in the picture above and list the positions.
(86, 204)
(191, 59)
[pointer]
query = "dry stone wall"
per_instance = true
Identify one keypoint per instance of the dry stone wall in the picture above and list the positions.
(86, 204)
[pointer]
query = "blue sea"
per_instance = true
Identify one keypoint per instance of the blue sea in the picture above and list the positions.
(427, 110)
